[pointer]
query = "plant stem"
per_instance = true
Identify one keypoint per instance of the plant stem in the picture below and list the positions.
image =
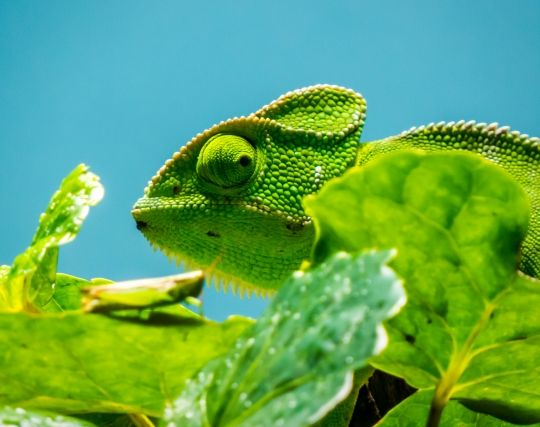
(458, 364)
(435, 411)
(140, 420)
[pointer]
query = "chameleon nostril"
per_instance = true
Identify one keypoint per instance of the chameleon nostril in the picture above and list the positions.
(141, 225)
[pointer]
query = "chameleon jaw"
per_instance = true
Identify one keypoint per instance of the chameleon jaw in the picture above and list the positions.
(254, 262)
(221, 281)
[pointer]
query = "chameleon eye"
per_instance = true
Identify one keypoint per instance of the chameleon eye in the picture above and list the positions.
(227, 161)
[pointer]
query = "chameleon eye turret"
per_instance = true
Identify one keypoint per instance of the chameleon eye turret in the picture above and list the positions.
(227, 161)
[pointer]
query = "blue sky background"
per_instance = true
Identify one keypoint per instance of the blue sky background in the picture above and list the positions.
(121, 85)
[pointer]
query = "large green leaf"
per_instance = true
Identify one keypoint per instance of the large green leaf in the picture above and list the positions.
(296, 363)
(471, 328)
(29, 284)
(72, 362)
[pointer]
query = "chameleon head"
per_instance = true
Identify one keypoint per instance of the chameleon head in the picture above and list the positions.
(232, 196)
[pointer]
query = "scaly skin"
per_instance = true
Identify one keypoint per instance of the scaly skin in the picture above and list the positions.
(231, 197)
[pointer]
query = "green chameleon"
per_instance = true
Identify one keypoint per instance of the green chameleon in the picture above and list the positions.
(231, 198)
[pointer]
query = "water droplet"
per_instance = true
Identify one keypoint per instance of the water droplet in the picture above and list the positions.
(296, 316)
(271, 350)
(189, 414)
(298, 274)
(349, 360)
(247, 403)
(243, 396)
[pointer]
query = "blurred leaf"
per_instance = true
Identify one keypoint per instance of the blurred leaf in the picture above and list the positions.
(73, 363)
(296, 363)
(471, 327)
(18, 417)
(29, 284)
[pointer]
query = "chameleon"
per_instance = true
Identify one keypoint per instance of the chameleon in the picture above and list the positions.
(232, 196)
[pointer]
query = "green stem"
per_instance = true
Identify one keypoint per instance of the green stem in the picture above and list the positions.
(140, 420)
(457, 366)
(440, 398)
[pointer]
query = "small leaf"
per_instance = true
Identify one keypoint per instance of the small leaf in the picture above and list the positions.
(30, 281)
(471, 328)
(143, 293)
(296, 363)
(67, 293)
(18, 417)
(72, 362)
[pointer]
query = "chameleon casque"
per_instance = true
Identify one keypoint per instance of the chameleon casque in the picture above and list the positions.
(232, 196)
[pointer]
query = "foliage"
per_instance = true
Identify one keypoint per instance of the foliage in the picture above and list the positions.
(471, 328)
(277, 376)
(57, 357)
(468, 337)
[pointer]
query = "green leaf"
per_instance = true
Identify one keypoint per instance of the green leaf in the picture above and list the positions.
(296, 363)
(102, 295)
(24, 418)
(143, 293)
(67, 293)
(29, 284)
(73, 363)
(413, 412)
(471, 328)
